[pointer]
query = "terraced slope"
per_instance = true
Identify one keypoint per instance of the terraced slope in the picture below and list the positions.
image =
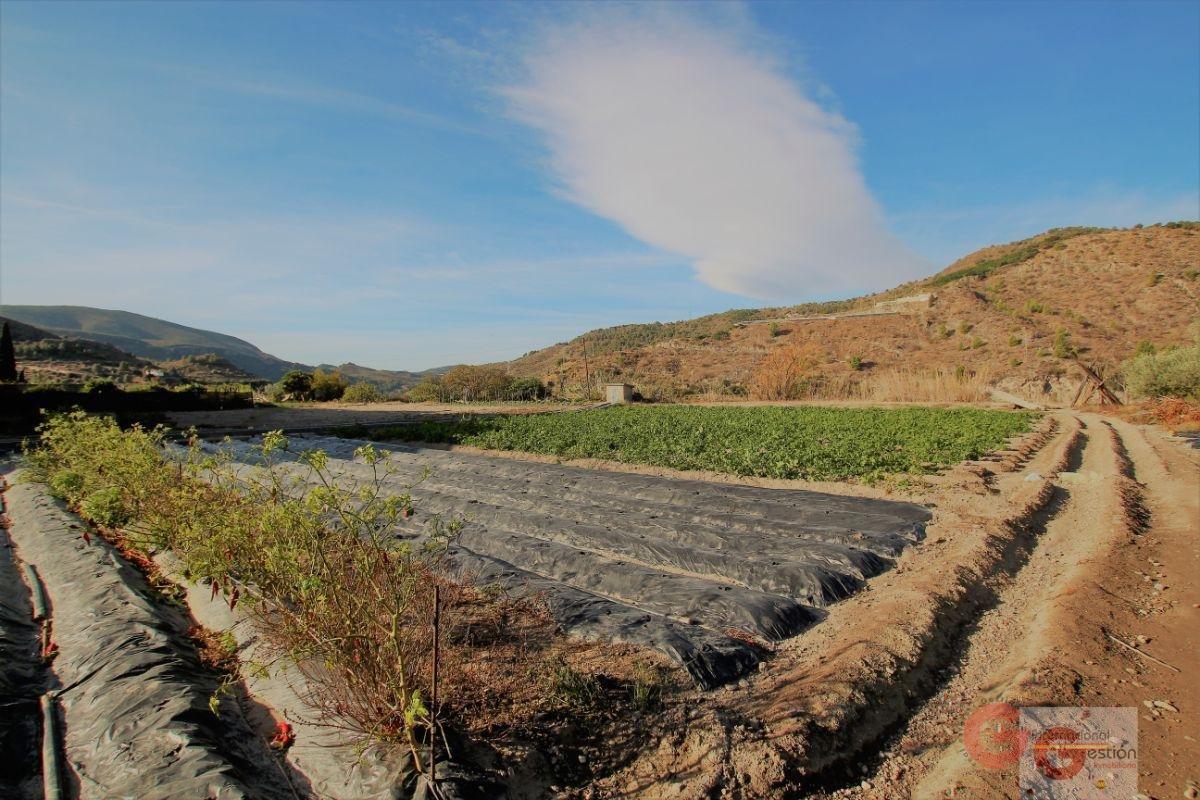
(698, 571)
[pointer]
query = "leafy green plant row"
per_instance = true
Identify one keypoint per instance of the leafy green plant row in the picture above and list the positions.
(814, 443)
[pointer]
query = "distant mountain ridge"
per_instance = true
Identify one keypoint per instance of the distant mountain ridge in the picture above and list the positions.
(163, 341)
(148, 337)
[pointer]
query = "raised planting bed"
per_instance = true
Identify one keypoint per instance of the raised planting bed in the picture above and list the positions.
(133, 700)
(703, 572)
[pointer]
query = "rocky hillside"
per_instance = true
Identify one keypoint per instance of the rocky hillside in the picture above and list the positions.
(208, 368)
(1018, 313)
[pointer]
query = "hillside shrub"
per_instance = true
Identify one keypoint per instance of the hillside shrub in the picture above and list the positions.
(784, 374)
(473, 384)
(1062, 344)
(526, 389)
(429, 390)
(327, 386)
(1172, 373)
(362, 392)
(102, 386)
(296, 385)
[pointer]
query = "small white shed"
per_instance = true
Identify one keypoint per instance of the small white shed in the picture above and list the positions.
(618, 392)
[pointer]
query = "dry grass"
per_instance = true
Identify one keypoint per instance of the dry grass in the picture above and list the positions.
(929, 386)
(791, 373)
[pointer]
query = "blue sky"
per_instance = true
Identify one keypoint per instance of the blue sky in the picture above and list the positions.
(408, 185)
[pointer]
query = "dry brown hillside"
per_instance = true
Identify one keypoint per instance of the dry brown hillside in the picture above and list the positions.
(1014, 315)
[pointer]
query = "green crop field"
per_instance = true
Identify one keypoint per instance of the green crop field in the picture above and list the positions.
(814, 443)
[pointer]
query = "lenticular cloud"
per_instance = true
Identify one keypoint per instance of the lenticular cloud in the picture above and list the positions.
(697, 145)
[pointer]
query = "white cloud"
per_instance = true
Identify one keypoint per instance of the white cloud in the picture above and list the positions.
(697, 143)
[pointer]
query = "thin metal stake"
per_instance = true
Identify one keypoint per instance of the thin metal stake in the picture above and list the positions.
(433, 700)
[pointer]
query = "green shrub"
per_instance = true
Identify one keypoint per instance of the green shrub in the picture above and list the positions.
(274, 392)
(1145, 348)
(429, 390)
(362, 392)
(67, 485)
(1014, 340)
(1062, 344)
(106, 507)
(328, 386)
(1174, 373)
(526, 389)
(296, 385)
(856, 363)
(1034, 307)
